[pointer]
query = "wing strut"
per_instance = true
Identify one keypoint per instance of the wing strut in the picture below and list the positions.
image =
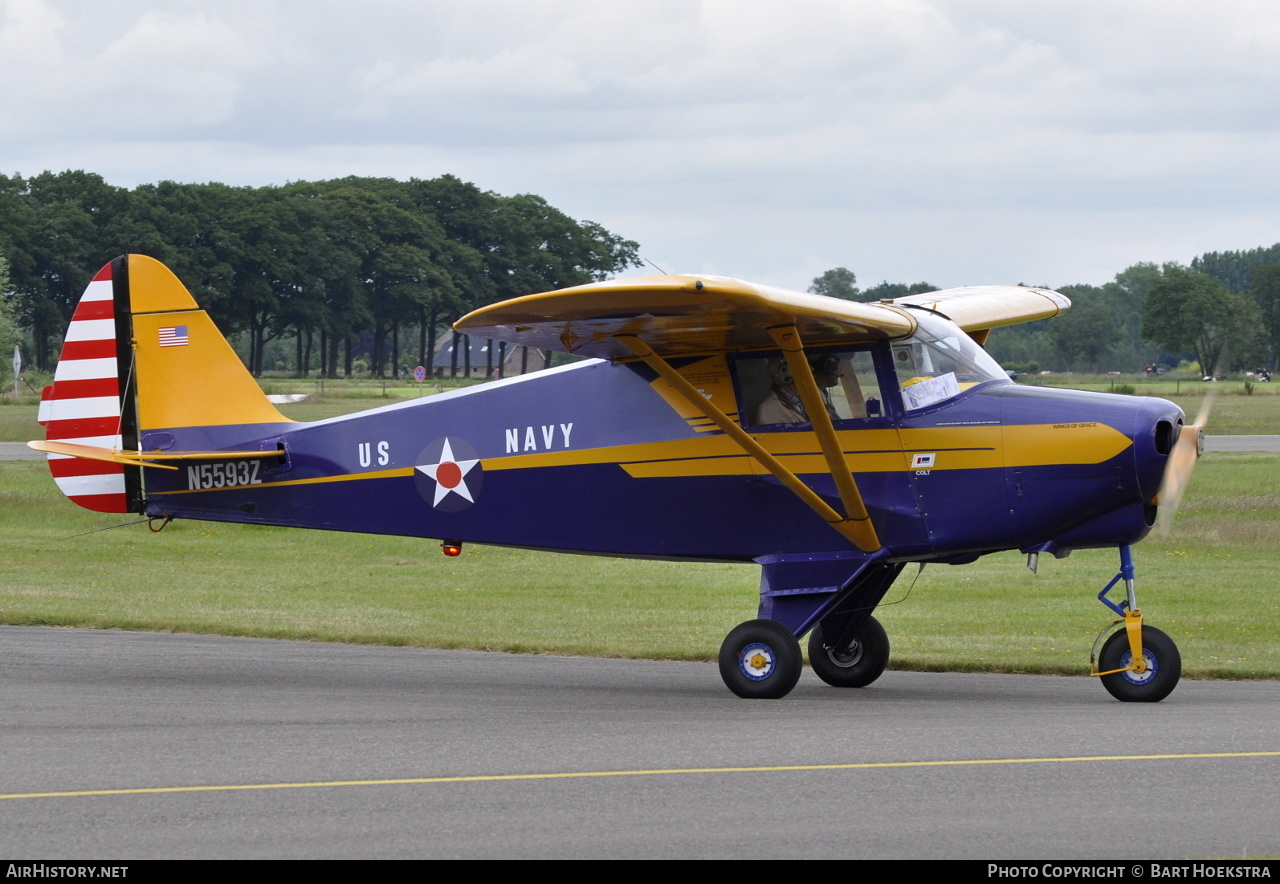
(857, 530)
(863, 532)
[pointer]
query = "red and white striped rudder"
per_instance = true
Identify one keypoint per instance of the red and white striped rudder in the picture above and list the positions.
(83, 405)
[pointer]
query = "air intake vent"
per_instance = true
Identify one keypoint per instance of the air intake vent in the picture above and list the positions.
(1166, 435)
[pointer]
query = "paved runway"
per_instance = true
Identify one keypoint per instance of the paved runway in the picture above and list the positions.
(521, 756)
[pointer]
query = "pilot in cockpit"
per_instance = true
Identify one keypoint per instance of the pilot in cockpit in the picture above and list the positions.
(783, 404)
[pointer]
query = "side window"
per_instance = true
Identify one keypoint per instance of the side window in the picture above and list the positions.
(847, 379)
(858, 392)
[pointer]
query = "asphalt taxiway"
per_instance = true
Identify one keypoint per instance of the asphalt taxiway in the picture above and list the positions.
(125, 745)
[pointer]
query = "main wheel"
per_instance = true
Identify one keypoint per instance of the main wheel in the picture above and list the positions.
(855, 666)
(760, 659)
(1157, 681)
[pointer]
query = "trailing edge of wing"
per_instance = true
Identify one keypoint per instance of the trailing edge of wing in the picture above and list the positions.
(679, 315)
(980, 307)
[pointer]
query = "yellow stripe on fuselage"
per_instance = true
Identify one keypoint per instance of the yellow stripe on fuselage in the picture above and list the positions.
(866, 451)
(1069, 443)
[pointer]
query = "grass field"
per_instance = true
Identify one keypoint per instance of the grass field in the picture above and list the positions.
(1211, 585)
(1234, 412)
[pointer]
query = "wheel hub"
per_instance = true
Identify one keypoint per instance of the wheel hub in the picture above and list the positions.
(757, 661)
(846, 658)
(1143, 675)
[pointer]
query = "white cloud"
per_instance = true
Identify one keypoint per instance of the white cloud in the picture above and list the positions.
(166, 72)
(752, 137)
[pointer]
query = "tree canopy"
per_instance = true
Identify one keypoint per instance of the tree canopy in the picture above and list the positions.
(838, 282)
(1184, 310)
(1088, 331)
(1266, 294)
(1235, 269)
(887, 291)
(346, 264)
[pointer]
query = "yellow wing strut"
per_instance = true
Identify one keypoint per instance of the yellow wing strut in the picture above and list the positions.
(788, 340)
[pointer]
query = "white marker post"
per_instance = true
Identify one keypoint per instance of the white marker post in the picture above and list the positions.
(17, 368)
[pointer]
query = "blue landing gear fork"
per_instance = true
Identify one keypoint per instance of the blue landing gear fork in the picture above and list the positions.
(1129, 611)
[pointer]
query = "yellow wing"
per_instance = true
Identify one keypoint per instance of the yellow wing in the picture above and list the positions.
(687, 315)
(679, 315)
(978, 309)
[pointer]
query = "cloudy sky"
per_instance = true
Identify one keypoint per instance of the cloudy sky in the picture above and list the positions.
(955, 141)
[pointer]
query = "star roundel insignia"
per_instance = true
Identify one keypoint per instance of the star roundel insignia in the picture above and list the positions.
(449, 474)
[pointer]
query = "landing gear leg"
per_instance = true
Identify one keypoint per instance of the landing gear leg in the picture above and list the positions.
(1138, 664)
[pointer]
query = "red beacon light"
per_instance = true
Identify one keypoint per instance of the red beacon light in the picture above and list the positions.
(451, 548)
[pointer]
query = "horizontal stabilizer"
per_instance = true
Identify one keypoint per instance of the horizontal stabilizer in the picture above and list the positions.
(92, 452)
(143, 458)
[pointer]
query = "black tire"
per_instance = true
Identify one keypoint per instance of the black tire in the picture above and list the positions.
(760, 660)
(856, 666)
(1164, 667)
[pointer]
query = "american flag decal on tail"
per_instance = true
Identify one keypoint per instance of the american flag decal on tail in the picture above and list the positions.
(83, 405)
(174, 336)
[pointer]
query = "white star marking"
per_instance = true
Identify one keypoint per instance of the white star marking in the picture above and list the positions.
(450, 475)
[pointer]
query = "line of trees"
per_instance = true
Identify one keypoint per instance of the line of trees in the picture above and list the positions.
(840, 282)
(1223, 312)
(372, 268)
(344, 269)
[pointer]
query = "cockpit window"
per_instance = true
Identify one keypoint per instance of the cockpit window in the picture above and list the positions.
(940, 361)
(847, 380)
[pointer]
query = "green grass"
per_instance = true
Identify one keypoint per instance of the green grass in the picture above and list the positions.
(1211, 586)
(18, 423)
(1234, 411)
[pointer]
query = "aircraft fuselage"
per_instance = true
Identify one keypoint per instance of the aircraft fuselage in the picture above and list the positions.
(592, 457)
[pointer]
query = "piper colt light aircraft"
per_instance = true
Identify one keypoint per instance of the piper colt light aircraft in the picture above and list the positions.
(832, 442)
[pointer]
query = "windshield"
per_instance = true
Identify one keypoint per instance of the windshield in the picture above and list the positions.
(939, 361)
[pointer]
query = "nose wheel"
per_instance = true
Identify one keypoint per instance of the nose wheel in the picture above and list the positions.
(1139, 663)
(1157, 677)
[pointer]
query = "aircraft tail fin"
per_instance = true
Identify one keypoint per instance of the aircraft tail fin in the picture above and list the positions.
(139, 356)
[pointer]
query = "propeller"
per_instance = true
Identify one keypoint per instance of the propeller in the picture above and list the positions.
(1182, 460)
